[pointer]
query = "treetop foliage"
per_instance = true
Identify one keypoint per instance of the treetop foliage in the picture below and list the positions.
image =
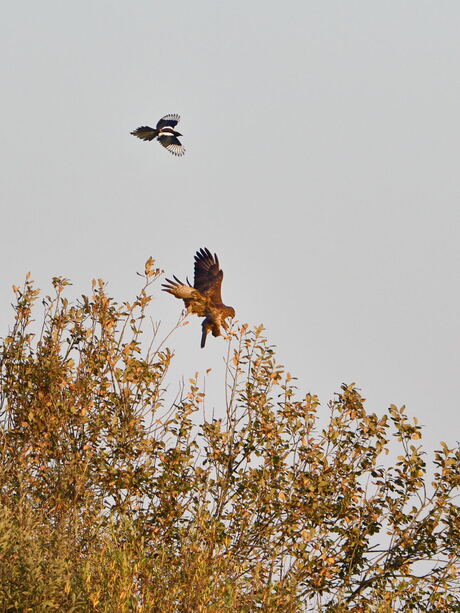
(113, 500)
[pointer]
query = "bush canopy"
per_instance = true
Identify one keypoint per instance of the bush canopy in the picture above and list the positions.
(114, 499)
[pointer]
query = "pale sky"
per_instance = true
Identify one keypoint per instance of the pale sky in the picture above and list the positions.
(322, 166)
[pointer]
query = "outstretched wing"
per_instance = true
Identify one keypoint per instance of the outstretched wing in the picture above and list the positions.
(145, 133)
(208, 276)
(168, 120)
(193, 299)
(172, 144)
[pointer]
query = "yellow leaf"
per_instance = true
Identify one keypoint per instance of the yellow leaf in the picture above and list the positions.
(148, 267)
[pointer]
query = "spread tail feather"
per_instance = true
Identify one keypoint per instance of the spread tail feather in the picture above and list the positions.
(145, 133)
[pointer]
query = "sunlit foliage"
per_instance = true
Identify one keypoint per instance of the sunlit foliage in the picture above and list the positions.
(113, 500)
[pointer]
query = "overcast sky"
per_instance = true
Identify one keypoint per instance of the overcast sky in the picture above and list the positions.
(322, 166)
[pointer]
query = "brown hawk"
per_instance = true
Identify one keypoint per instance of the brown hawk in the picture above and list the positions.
(204, 297)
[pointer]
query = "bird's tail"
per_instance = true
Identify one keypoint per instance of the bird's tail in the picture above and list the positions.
(145, 133)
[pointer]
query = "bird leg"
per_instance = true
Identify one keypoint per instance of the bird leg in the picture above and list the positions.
(205, 327)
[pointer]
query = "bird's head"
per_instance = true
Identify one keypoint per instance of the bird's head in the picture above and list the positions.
(229, 312)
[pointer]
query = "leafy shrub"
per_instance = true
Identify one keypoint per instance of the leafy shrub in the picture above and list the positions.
(113, 501)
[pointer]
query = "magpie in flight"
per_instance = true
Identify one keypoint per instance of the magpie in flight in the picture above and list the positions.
(164, 132)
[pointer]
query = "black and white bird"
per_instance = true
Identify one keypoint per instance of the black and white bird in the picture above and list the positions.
(164, 132)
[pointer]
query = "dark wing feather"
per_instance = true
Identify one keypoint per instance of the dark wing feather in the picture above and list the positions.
(208, 276)
(172, 144)
(168, 120)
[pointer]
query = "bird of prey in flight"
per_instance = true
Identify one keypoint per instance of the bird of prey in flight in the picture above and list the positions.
(164, 132)
(204, 297)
